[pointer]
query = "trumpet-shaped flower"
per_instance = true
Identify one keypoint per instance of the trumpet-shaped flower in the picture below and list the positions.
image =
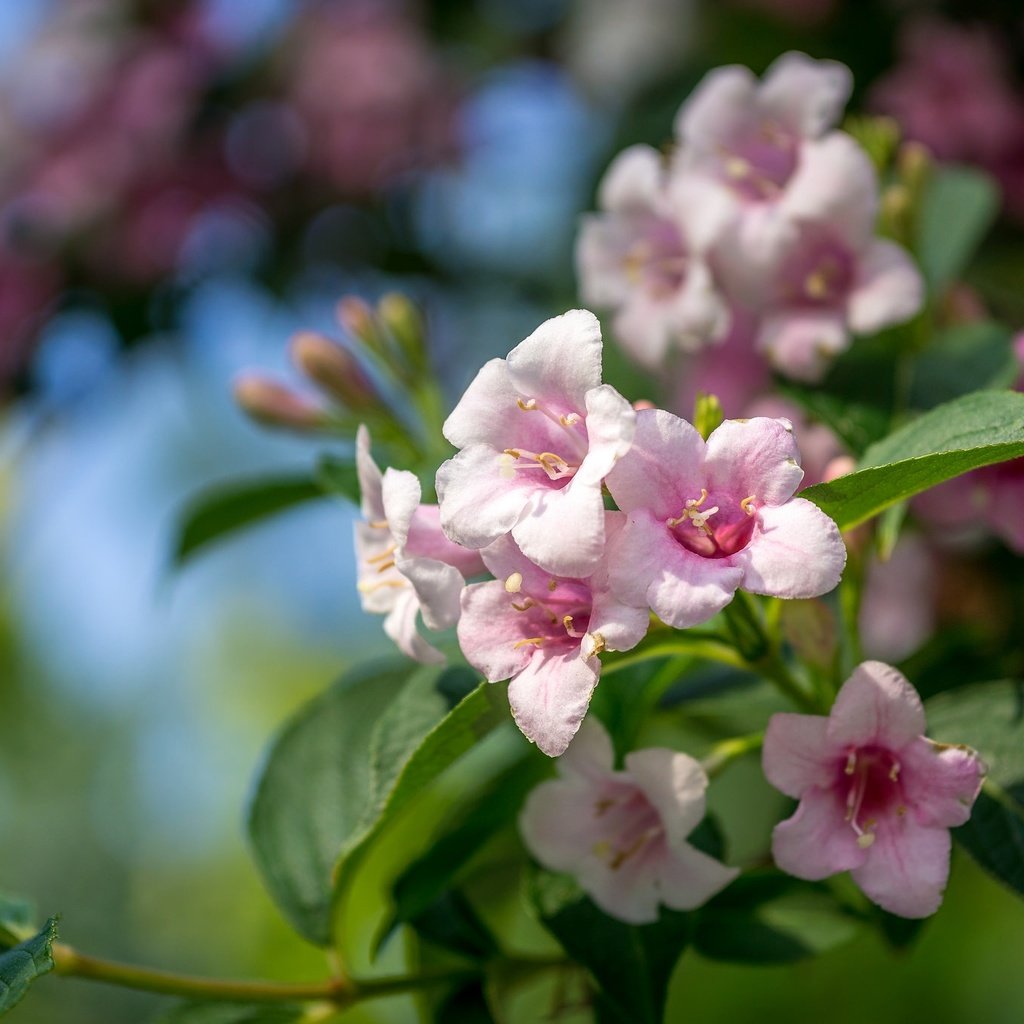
(405, 563)
(545, 634)
(622, 834)
(704, 519)
(877, 798)
(538, 433)
(643, 256)
(748, 135)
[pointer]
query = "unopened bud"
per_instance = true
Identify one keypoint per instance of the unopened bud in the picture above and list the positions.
(276, 405)
(914, 162)
(333, 369)
(878, 135)
(403, 320)
(897, 212)
(356, 317)
(707, 413)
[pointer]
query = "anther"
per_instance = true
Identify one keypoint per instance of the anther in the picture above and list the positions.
(552, 585)
(536, 641)
(569, 421)
(894, 771)
(851, 763)
(865, 840)
(525, 606)
(528, 406)
(747, 504)
(387, 553)
(514, 583)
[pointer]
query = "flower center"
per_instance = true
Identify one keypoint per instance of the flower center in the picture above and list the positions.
(758, 164)
(730, 532)
(560, 617)
(870, 785)
(657, 260)
(630, 827)
(514, 460)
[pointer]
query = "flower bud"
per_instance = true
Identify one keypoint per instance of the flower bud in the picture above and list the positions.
(707, 413)
(356, 317)
(914, 162)
(276, 405)
(334, 370)
(403, 320)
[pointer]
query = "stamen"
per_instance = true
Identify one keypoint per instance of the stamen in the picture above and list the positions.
(506, 466)
(386, 566)
(816, 284)
(865, 839)
(514, 453)
(599, 642)
(571, 420)
(387, 553)
(552, 585)
(366, 587)
(602, 806)
(528, 406)
(379, 524)
(851, 762)
(567, 623)
(621, 856)
(698, 518)
(747, 504)
(737, 168)
(525, 606)
(537, 641)
(514, 583)
(894, 771)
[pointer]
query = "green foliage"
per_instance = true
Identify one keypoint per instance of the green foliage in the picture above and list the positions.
(28, 960)
(990, 718)
(770, 918)
(338, 477)
(228, 508)
(17, 917)
(631, 964)
(973, 431)
(959, 206)
(344, 766)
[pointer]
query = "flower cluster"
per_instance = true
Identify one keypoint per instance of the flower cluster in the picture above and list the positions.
(764, 213)
(540, 438)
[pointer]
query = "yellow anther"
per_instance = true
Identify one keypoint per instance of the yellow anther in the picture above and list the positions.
(536, 641)
(697, 502)
(747, 504)
(599, 643)
(851, 763)
(901, 810)
(386, 566)
(528, 406)
(569, 421)
(514, 583)
(865, 840)
(816, 285)
(387, 553)
(737, 168)
(894, 771)
(525, 606)
(379, 524)
(366, 587)
(552, 585)
(514, 453)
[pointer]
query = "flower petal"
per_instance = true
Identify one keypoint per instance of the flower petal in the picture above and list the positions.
(550, 696)
(940, 782)
(562, 530)
(482, 413)
(489, 629)
(675, 784)
(753, 457)
(796, 551)
(400, 495)
(889, 288)
(907, 867)
(438, 587)
(723, 101)
(560, 362)
(400, 625)
(798, 753)
(816, 841)
(628, 893)
(611, 426)
(876, 705)
(370, 503)
(479, 501)
(688, 878)
(558, 822)
(805, 93)
(590, 753)
(801, 343)
(663, 465)
(426, 539)
(601, 247)
(633, 181)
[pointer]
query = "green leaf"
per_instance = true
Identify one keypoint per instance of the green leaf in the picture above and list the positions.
(225, 509)
(427, 878)
(990, 718)
(770, 918)
(452, 924)
(960, 204)
(631, 964)
(973, 431)
(411, 745)
(344, 766)
(232, 1013)
(338, 476)
(962, 359)
(20, 966)
(316, 789)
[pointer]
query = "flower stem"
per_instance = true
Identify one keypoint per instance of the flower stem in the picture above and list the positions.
(724, 753)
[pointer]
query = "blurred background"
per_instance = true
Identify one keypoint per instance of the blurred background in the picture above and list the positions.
(182, 186)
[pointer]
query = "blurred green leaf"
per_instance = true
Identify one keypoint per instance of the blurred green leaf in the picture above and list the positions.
(770, 918)
(20, 966)
(976, 430)
(960, 204)
(231, 1013)
(964, 358)
(631, 964)
(990, 718)
(317, 789)
(225, 509)
(338, 476)
(451, 923)
(427, 878)
(411, 744)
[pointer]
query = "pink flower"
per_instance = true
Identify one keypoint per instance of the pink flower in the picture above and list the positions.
(622, 834)
(876, 797)
(705, 519)
(813, 267)
(406, 565)
(643, 257)
(749, 135)
(545, 634)
(538, 433)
